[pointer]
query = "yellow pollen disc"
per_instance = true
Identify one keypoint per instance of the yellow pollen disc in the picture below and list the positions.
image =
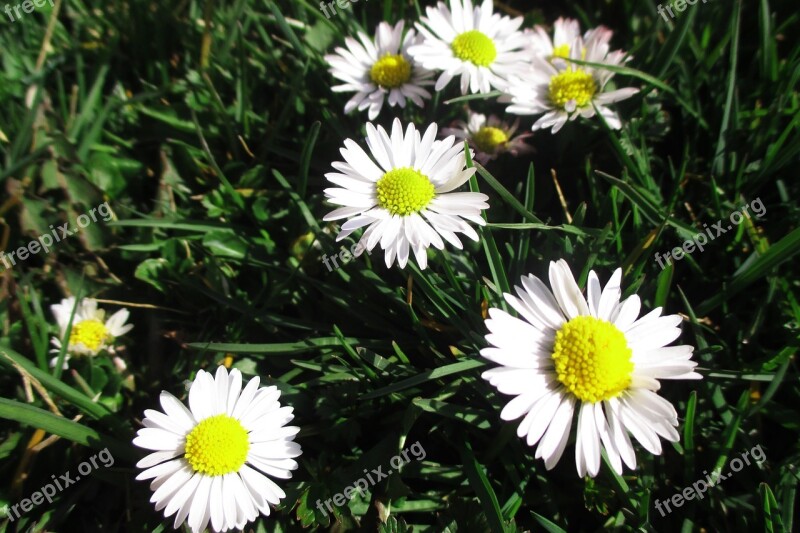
(474, 46)
(577, 85)
(217, 446)
(91, 333)
(403, 191)
(390, 71)
(561, 51)
(487, 139)
(592, 359)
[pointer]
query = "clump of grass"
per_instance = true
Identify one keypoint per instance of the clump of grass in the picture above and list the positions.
(208, 127)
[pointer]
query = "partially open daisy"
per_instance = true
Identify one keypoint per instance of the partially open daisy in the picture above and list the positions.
(490, 136)
(569, 353)
(406, 198)
(482, 47)
(91, 332)
(211, 462)
(562, 90)
(380, 68)
(565, 32)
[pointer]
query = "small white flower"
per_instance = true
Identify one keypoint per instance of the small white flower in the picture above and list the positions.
(490, 137)
(378, 69)
(593, 355)
(91, 333)
(484, 48)
(565, 33)
(406, 198)
(561, 90)
(211, 462)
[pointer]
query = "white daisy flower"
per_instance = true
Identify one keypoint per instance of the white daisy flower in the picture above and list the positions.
(562, 90)
(91, 332)
(566, 36)
(211, 461)
(569, 353)
(565, 32)
(380, 68)
(489, 136)
(405, 198)
(483, 47)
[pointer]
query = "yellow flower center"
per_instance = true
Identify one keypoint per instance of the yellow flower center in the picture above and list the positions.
(91, 333)
(592, 359)
(217, 446)
(572, 85)
(487, 139)
(403, 191)
(390, 71)
(474, 46)
(561, 51)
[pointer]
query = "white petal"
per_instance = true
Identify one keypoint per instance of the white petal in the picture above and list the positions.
(158, 457)
(157, 439)
(513, 380)
(541, 302)
(158, 419)
(605, 437)
(202, 396)
(566, 291)
(590, 438)
(539, 417)
(164, 469)
(610, 297)
(520, 405)
(627, 312)
(548, 448)
(234, 388)
(221, 389)
(177, 411)
(215, 504)
(172, 493)
(200, 512)
(619, 434)
(246, 397)
(639, 429)
(593, 291)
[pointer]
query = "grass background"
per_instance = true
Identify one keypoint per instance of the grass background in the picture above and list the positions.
(208, 126)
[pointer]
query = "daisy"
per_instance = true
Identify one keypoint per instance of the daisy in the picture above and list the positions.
(380, 68)
(481, 46)
(563, 91)
(565, 32)
(566, 35)
(592, 355)
(406, 198)
(211, 461)
(490, 137)
(91, 332)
